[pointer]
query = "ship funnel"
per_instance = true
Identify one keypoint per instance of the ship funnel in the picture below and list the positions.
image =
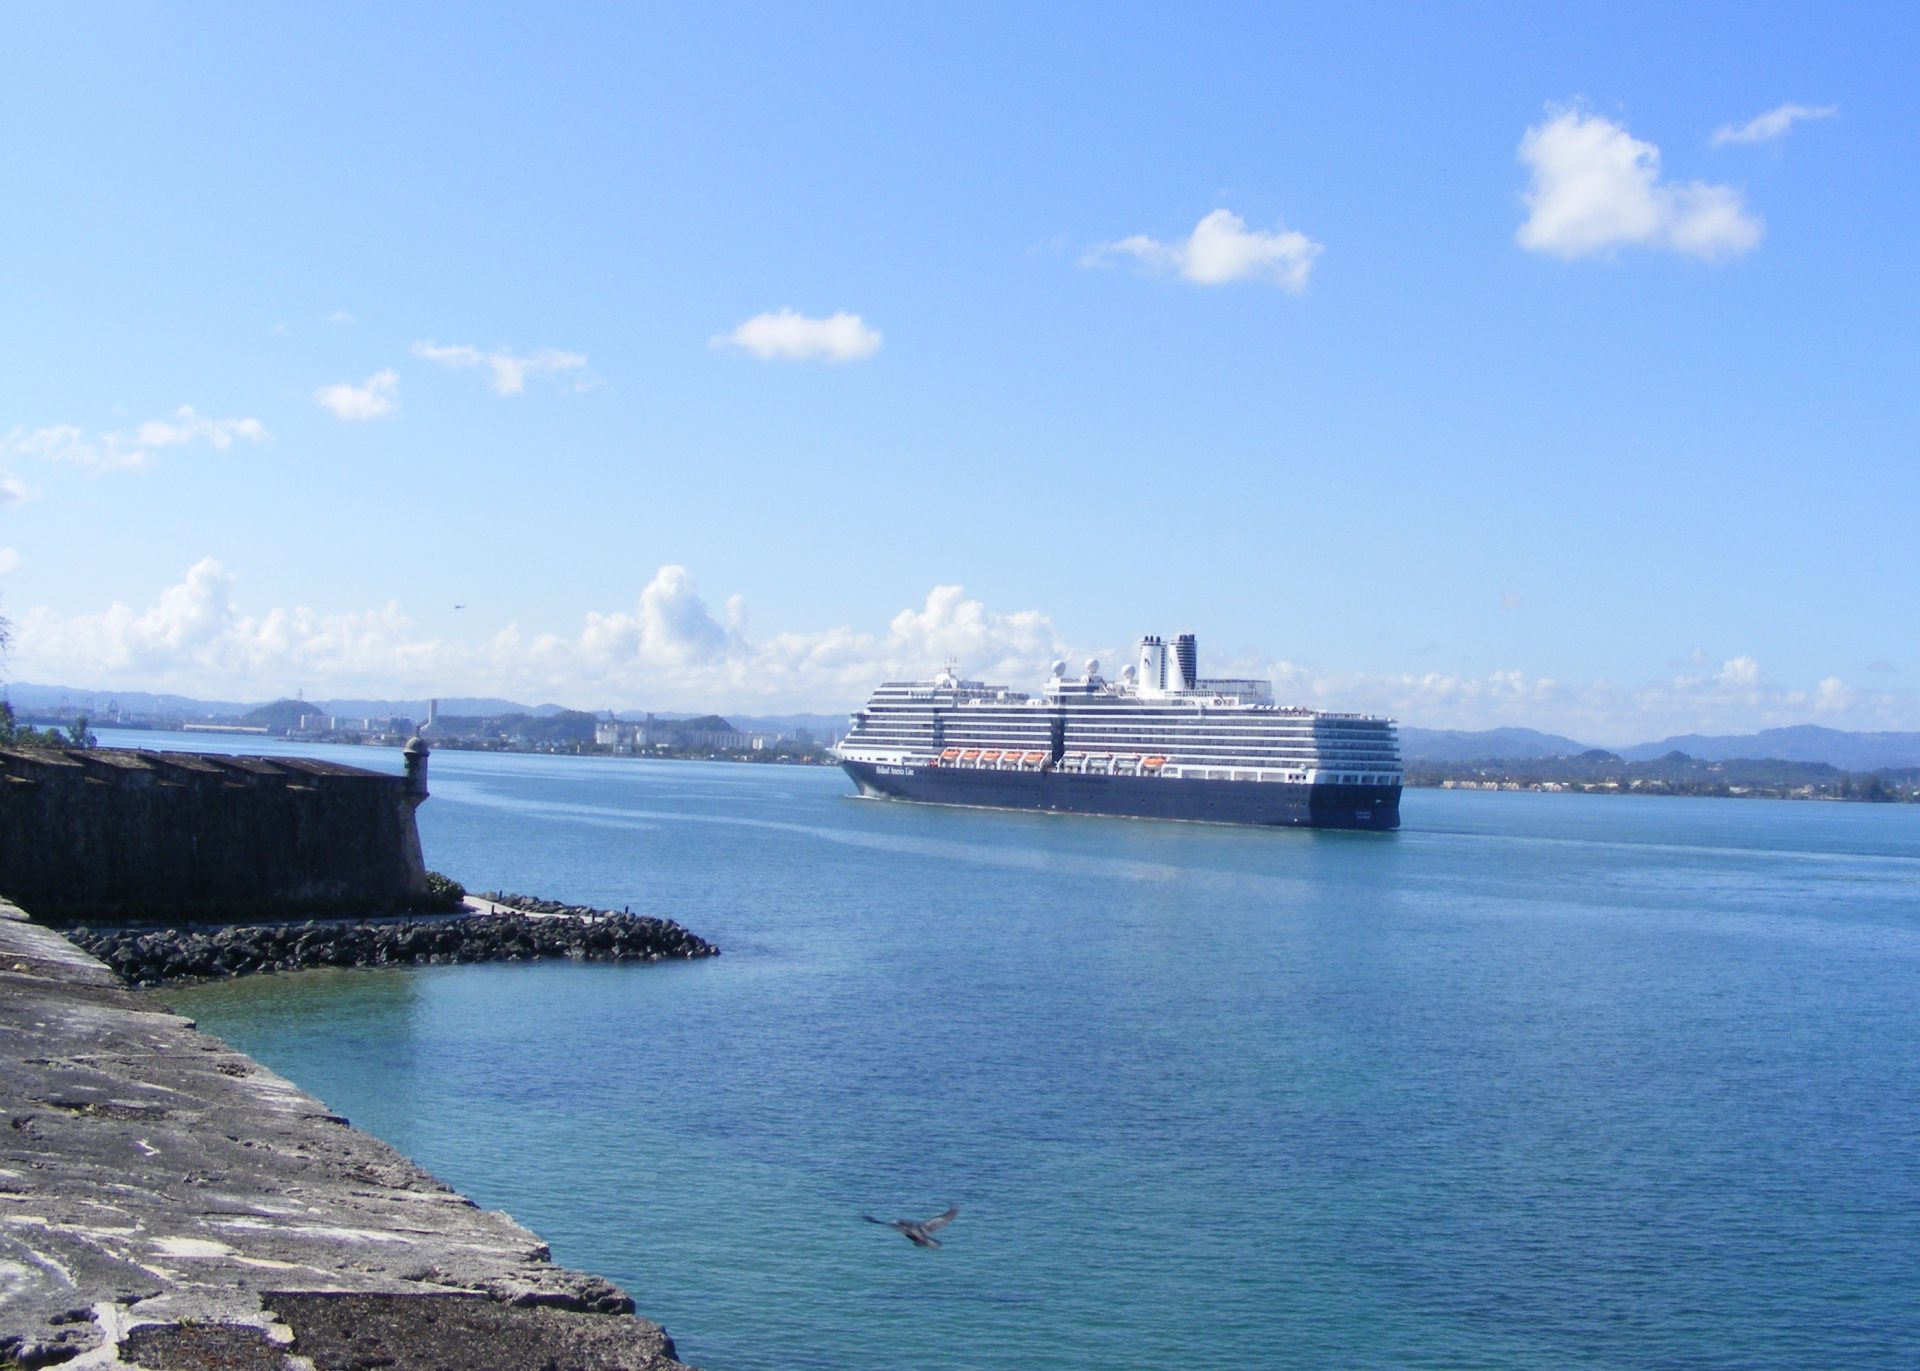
(1153, 663)
(1186, 655)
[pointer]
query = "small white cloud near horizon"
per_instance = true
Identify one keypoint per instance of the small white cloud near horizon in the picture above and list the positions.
(509, 372)
(70, 444)
(1221, 249)
(1764, 128)
(787, 335)
(374, 398)
(1595, 188)
(9, 560)
(14, 491)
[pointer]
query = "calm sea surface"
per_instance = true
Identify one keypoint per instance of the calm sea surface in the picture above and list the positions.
(1539, 1081)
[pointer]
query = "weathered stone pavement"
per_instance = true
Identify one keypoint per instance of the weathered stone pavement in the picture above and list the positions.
(168, 1202)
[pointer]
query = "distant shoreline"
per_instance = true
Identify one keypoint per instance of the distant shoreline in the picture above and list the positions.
(762, 757)
(1887, 795)
(1606, 774)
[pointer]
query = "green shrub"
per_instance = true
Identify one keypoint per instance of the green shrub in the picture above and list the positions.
(443, 892)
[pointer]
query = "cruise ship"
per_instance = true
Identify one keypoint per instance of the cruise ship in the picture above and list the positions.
(1158, 743)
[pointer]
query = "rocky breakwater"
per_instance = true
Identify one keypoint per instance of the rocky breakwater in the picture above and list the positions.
(167, 1202)
(506, 929)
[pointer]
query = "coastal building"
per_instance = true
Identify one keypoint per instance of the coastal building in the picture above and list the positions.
(624, 736)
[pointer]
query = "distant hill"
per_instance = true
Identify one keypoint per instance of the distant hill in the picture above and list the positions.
(566, 726)
(1442, 745)
(282, 716)
(1801, 743)
(36, 697)
(707, 723)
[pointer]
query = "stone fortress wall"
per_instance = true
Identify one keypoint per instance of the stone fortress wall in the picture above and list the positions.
(106, 834)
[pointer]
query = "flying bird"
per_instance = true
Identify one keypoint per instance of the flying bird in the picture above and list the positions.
(919, 1234)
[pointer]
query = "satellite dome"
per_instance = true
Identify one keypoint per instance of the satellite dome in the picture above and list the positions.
(1059, 669)
(1093, 667)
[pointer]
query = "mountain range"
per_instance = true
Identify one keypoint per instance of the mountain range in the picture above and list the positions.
(1800, 743)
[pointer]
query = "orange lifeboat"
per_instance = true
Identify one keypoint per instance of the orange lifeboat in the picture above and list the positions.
(991, 755)
(972, 754)
(948, 754)
(1154, 763)
(1034, 758)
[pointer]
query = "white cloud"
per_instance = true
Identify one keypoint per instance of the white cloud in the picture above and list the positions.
(187, 427)
(58, 443)
(73, 445)
(510, 372)
(194, 635)
(378, 395)
(1596, 188)
(340, 316)
(13, 491)
(1222, 249)
(1834, 696)
(787, 335)
(1764, 128)
(9, 560)
(669, 649)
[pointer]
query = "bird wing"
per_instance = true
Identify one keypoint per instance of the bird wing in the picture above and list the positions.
(884, 1223)
(940, 1222)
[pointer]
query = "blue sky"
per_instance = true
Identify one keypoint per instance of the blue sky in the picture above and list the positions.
(1478, 364)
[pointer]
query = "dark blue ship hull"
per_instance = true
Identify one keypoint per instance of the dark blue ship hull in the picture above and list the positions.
(1136, 797)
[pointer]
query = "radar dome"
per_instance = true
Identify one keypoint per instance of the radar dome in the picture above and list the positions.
(1093, 667)
(1059, 668)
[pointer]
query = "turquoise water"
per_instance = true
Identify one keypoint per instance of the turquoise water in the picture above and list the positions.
(1539, 1081)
